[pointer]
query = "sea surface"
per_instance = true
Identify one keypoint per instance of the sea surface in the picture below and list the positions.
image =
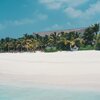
(35, 93)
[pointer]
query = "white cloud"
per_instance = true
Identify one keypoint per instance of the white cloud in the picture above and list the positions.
(57, 4)
(12, 23)
(23, 21)
(51, 4)
(73, 12)
(41, 16)
(75, 3)
(54, 27)
(92, 11)
(58, 26)
(2, 26)
(72, 9)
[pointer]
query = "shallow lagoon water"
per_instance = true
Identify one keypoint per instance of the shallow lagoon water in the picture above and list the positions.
(27, 93)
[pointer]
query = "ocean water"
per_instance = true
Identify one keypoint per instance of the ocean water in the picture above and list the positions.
(26, 93)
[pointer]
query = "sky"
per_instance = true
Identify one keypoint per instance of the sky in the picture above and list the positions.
(18, 17)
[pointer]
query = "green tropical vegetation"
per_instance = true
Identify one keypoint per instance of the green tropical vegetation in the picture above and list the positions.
(88, 40)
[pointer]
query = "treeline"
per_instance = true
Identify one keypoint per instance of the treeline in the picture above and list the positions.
(89, 40)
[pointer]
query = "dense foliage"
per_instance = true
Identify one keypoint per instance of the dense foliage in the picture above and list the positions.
(88, 40)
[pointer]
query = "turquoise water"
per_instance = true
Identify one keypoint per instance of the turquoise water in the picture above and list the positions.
(18, 93)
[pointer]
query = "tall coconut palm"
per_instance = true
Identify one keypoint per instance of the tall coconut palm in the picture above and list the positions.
(88, 36)
(97, 47)
(96, 28)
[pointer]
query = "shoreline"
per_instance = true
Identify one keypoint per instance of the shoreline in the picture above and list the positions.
(78, 69)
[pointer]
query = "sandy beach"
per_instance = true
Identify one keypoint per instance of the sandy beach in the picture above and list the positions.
(69, 69)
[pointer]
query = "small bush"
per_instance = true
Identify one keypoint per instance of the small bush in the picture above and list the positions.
(97, 46)
(88, 47)
(50, 49)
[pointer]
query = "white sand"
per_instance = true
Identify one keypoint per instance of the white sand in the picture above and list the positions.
(69, 69)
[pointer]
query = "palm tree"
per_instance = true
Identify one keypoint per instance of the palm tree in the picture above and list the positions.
(20, 42)
(45, 40)
(96, 28)
(53, 37)
(88, 36)
(34, 44)
(97, 47)
(2, 41)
